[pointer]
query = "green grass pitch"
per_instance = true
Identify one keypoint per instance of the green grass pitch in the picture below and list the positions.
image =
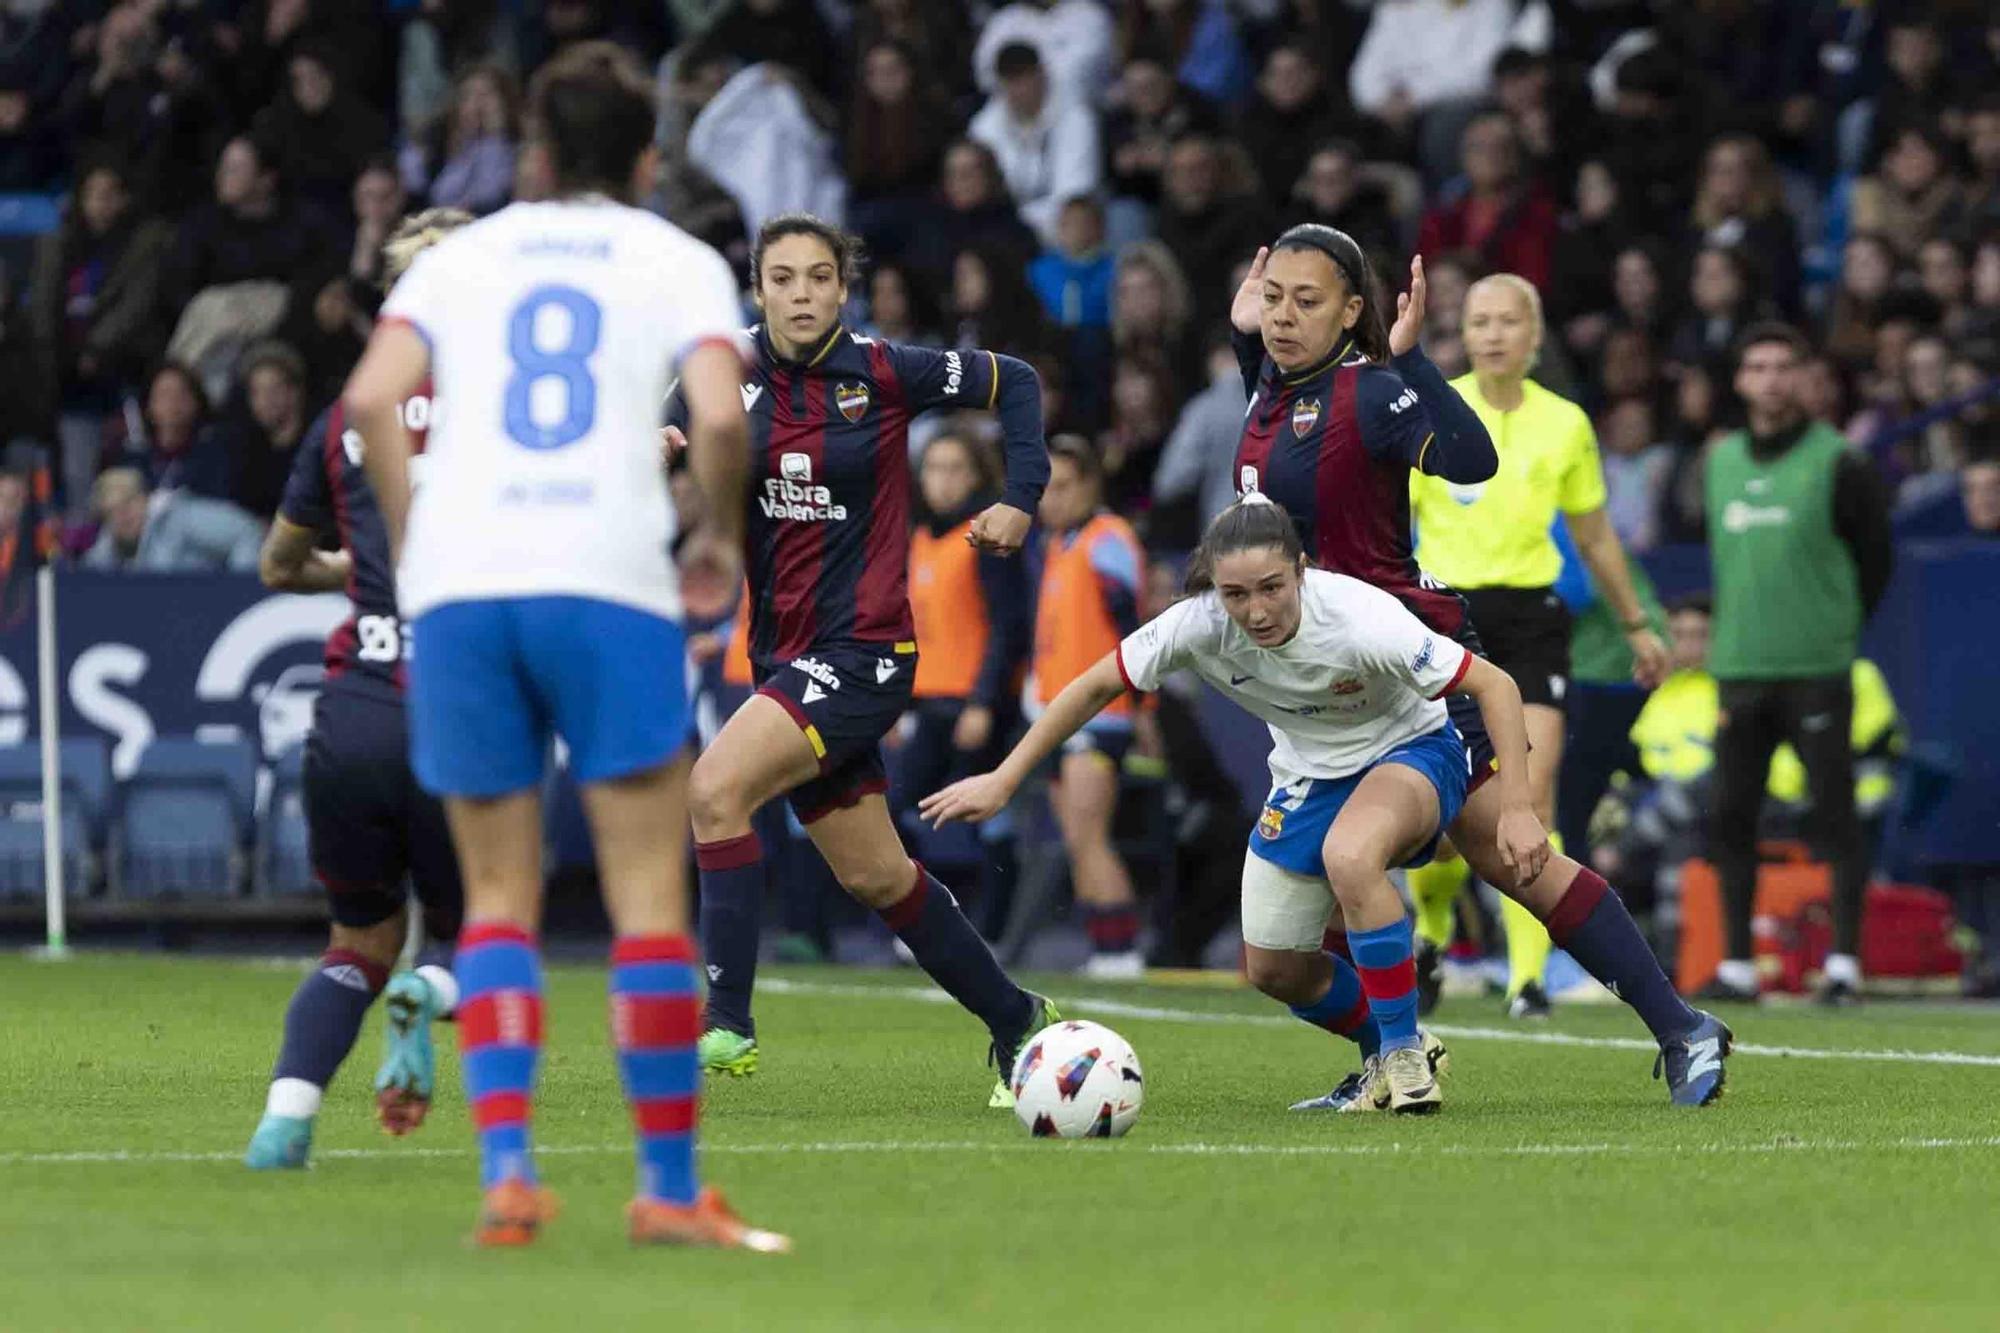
(1557, 1190)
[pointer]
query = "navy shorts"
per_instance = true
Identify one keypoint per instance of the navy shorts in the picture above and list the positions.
(1112, 741)
(1467, 720)
(491, 681)
(1292, 830)
(368, 824)
(845, 698)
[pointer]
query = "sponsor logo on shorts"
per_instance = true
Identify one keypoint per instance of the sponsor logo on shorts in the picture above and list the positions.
(1271, 823)
(852, 400)
(1305, 415)
(817, 670)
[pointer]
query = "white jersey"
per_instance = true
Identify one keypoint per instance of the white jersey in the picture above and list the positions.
(554, 330)
(1361, 677)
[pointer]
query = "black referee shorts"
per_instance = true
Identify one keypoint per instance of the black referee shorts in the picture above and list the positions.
(1526, 634)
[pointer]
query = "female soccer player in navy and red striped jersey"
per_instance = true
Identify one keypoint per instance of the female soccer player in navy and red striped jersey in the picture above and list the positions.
(1342, 410)
(832, 643)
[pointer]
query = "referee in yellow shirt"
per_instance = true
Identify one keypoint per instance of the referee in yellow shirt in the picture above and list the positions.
(1490, 541)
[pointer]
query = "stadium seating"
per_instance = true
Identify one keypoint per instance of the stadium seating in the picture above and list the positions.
(184, 819)
(86, 789)
(283, 862)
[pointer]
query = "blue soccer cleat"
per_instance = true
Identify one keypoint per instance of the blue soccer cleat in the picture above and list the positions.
(281, 1143)
(1693, 1063)
(409, 1061)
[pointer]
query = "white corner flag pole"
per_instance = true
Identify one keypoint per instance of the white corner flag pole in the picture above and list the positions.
(51, 721)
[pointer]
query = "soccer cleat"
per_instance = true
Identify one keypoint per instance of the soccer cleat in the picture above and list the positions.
(512, 1213)
(1357, 1092)
(1531, 1001)
(1693, 1063)
(1003, 1054)
(1435, 1052)
(281, 1143)
(1836, 994)
(1410, 1082)
(725, 1052)
(707, 1222)
(409, 1062)
(1430, 977)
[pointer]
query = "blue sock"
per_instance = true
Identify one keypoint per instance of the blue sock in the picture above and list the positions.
(1591, 922)
(655, 1022)
(732, 908)
(947, 947)
(1344, 1010)
(500, 1037)
(325, 1016)
(1389, 976)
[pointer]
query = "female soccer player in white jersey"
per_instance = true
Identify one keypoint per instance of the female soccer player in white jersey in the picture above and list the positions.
(1366, 768)
(536, 577)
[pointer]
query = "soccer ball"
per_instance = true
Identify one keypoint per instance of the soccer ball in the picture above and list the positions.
(1077, 1081)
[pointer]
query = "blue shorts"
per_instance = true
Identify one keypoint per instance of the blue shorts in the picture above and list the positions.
(1291, 832)
(491, 681)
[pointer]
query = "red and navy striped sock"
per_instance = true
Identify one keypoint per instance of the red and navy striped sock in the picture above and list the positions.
(500, 1037)
(1590, 921)
(1112, 929)
(1344, 1010)
(945, 945)
(732, 909)
(325, 1015)
(655, 1022)
(1389, 976)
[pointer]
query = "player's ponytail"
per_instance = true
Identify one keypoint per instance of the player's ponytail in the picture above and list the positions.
(1253, 523)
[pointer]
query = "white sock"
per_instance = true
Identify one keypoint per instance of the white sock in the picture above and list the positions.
(293, 1098)
(443, 985)
(1737, 974)
(1844, 968)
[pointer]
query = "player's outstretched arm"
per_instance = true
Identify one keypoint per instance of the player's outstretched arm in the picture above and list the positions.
(391, 370)
(984, 795)
(291, 560)
(1524, 843)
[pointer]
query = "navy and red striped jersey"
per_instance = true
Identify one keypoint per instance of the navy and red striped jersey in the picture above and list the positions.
(1334, 445)
(328, 493)
(829, 480)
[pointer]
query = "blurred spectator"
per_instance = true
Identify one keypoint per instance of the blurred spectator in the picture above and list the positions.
(321, 131)
(1637, 469)
(1209, 222)
(939, 38)
(993, 307)
(30, 157)
(761, 139)
(1984, 321)
(974, 214)
(1916, 88)
(379, 204)
(1150, 306)
(442, 36)
(150, 97)
(267, 33)
(94, 317)
(1421, 55)
(467, 159)
(1149, 111)
(1647, 136)
(1722, 302)
(1945, 276)
(784, 32)
(898, 310)
(1524, 87)
(175, 532)
(1333, 191)
(1289, 117)
(1198, 465)
(1982, 146)
(1047, 148)
(897, 129)
(1912, 193)
(1739, 204)
(274, 393)
(1450, 276)
(1198, 38)
(1073, 278)
(180, 449)
(1143, 407)
(1074, 39)
(1506, 218)
(1630, 368)
(1867, 275)
(1593, 234)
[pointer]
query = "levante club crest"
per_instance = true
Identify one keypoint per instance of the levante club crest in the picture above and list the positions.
(851, 399)
(1305, 415)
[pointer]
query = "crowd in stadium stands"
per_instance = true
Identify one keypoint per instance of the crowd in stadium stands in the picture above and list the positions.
(1076, 182)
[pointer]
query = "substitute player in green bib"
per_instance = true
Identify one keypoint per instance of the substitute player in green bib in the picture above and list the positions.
(1491, 542)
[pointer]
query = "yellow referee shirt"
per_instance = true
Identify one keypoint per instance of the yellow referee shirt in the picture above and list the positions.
(1495, 534)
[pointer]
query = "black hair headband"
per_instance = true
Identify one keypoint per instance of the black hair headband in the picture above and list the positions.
(1335, 244)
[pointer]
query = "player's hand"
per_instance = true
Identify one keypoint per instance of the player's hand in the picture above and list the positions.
(1000, 529)
(974, 800)
(1650, 660)
(1524, 844)
(673, 443)
(1408, 330)
(711, 575)
(1246, 310)
(974, 728)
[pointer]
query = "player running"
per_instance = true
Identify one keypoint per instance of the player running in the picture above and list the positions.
(831, 638)
(1342, 411)
(368, 825)
(1491, 541)
(1366, 769)
(542, 600)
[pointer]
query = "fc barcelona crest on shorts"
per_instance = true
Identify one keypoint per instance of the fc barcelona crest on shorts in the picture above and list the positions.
(851, 399)
(1271, 823)
(1305, 415)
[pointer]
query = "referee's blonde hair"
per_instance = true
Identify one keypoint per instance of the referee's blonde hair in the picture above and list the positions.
(1521, 287)
(415, 234)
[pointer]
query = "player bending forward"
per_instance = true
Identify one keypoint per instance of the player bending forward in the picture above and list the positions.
(542, 599)
(367, 823)
(1366, 768)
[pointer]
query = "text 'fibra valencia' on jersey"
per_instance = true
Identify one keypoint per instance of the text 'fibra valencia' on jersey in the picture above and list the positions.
(829, 483)
(328, 493)
(1335, 444)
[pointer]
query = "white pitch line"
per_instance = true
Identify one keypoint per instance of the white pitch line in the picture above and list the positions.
(1157, 1013)
(905, 1148)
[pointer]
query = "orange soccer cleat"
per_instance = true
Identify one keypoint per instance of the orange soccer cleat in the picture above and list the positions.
(512, 1213)
(706, 1222)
